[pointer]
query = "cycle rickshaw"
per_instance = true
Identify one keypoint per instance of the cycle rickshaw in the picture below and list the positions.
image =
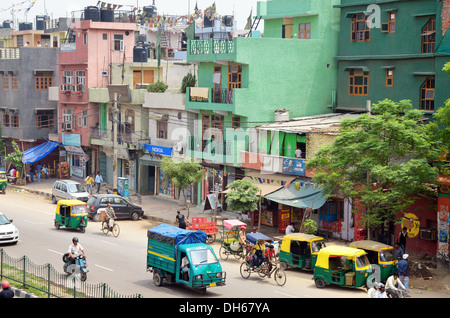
(230, 239)
(267, 267)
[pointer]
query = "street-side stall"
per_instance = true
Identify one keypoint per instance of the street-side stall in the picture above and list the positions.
(299, 195)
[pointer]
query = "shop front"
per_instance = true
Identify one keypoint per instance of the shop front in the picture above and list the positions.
(73, 158)
(154, 182)
(295, 201)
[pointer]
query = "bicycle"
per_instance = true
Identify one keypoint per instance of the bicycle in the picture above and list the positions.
(112, 227)
(265, 269)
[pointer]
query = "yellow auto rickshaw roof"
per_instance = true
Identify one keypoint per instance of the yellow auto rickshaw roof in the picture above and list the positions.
(369, 245)
(336, 250)
(303, 237)
(71, 202)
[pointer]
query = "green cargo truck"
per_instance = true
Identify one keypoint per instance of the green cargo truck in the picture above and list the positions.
(179, 255)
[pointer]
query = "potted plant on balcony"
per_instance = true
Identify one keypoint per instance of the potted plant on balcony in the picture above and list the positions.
(158, 87)
(188, 81)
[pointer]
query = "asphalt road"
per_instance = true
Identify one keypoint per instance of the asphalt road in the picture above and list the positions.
(121, 262)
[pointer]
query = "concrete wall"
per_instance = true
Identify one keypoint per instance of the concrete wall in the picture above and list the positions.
(26, 99)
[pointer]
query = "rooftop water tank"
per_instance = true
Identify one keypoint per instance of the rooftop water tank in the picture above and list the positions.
(7, 24)
(107, 15)
(140, 54)
(25, 26)
(40, 22)
(92, 13)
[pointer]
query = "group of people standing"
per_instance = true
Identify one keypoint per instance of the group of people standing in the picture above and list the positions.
(399, 281)
(39, 170)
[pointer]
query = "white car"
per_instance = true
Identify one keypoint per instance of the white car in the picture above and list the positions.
(8, 232)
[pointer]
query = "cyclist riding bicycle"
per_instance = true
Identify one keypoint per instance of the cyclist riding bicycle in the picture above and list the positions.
(110, 215)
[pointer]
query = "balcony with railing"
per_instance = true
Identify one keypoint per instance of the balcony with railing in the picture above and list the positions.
(211, 50)
(213, 151)
(104, 137)
(207, 98)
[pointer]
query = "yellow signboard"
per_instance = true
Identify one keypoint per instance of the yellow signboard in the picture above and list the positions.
(412, 223)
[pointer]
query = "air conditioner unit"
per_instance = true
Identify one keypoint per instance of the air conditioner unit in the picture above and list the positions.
(105, 73)
(68, 126)
(428, 234)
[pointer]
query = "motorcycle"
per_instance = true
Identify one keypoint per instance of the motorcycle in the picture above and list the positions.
(75, 266)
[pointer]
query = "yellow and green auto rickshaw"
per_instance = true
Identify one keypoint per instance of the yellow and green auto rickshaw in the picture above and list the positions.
(72, 214)
(381, 257)
(300, 250)
(341, 265)
(3, 181)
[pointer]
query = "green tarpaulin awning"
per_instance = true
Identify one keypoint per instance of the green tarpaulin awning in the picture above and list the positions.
(299, 194)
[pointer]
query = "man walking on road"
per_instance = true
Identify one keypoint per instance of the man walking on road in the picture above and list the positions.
(98, 181)
(403, 273)
(180, 218)
(89, 182)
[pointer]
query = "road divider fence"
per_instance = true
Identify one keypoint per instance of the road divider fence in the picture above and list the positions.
(44, 281)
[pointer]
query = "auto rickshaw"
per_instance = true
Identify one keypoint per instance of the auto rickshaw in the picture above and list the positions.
(300, 250)
(341, 265)
(3, 180)
(71, 214)
(381, 257)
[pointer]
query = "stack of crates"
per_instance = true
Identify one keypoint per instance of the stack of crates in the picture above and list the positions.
(201, 223)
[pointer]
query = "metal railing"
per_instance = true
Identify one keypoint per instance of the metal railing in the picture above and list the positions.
(211, 46)
(45, 280)
(222, 96)
(10, 54)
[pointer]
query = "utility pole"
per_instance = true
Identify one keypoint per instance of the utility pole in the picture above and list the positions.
(115, 119)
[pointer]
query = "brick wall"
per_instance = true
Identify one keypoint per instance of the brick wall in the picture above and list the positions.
(445, 15)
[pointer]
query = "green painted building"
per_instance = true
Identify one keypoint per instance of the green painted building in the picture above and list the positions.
(395, 50)
(243, 81)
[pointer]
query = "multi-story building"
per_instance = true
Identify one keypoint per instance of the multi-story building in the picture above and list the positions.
(94, 43)
(246, 81)
(27, 74)
(393, 50)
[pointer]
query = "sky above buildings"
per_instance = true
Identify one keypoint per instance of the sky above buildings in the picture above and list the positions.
(26, 10)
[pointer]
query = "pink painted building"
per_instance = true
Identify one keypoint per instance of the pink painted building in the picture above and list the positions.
(85, 62)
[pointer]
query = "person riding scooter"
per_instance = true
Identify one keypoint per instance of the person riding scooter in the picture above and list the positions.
(75, 249)
(6, 292)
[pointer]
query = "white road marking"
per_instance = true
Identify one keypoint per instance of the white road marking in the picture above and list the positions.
(33, 222)
(284, 294)
(109, 243)
(108, 269)
(56, 252)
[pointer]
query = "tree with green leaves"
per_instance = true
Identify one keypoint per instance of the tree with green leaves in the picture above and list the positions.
(182, 173)
(244, 196)
(15, 157)
(440, 128)
(381, 160)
